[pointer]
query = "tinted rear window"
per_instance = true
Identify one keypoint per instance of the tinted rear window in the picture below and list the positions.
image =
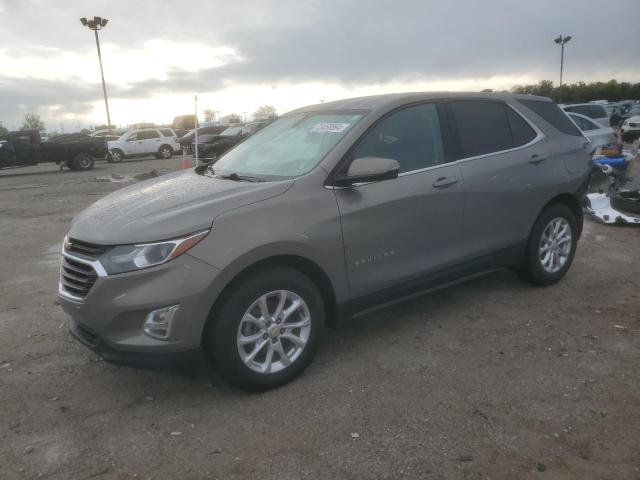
(487, 127)
(167, 133)
(550, 112)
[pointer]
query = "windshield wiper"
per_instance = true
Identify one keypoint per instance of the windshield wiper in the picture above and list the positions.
(238, 178)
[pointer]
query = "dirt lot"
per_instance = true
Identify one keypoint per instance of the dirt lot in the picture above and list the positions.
(490, 379)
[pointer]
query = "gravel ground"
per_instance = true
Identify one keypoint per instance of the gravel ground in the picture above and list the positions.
(490, 379)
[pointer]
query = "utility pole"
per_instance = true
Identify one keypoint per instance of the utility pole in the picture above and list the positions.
(98, 23)
(561, 41)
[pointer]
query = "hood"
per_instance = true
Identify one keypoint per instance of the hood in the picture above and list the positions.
(166, 207)
(635, 118)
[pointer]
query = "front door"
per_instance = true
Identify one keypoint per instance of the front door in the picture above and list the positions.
(397, 230)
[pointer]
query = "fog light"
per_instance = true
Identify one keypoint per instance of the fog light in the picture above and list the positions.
(157, 324)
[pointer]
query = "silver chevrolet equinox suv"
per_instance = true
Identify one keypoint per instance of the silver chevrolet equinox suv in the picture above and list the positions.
(328, 211)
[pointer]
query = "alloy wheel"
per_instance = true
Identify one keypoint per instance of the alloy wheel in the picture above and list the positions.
(555, 245)
(274, 331)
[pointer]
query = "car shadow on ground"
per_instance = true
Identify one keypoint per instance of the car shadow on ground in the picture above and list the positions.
(339, 342)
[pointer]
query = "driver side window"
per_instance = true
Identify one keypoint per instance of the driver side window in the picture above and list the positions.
(410, 136)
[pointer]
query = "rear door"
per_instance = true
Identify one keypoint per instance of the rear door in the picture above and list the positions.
(148, 141)
(396, 230)
(500, 160)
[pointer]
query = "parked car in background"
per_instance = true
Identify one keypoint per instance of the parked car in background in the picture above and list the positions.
(631, 112)
(630, 129)
(330, 210)
(594, 111)
(113, 134)
(187, 139)
(161, 142)
(596, 133)
(212, 146)
(75, 151)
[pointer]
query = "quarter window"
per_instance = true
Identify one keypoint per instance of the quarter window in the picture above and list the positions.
(411, 136)
(167, 133)
(552, 114)
(521, 131)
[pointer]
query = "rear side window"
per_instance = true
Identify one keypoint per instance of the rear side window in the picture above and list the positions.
(147, 134)
(483, 127)
(583, 123)
(167, 133)
(552, 114)
(591, 111)
(411, 136)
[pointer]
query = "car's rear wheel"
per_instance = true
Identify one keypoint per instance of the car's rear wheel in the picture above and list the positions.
(267, 330)
(116, 155)
(165, 152)
(83, 161)
(551, 246)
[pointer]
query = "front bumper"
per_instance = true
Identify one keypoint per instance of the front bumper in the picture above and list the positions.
(109, 319)
(184, 361)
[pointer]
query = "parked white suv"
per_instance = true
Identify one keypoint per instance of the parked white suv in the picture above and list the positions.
(161, 142)
(630, 129)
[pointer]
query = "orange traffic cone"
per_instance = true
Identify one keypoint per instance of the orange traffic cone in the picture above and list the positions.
(185, 163)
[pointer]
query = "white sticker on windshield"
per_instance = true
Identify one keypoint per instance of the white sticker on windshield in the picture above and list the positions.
(329, 127)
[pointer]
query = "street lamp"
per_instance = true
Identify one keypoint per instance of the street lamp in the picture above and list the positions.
(95, 24)
(561, 41)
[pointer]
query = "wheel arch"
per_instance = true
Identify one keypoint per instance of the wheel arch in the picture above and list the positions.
(306, 266)
(572, 201)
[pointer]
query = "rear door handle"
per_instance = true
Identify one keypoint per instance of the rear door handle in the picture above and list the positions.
(537, 159)
(444, 182)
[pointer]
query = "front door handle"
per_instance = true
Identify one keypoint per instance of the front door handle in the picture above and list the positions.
(537, 159)
(444, 182)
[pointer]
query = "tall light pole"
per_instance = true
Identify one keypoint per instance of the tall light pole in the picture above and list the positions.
(561, 41)
(95, 24)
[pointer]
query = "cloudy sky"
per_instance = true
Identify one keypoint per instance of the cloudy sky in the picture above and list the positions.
(237, 55)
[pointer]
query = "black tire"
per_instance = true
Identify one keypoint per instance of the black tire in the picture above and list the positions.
(626, 202)
(83, 161)
(165, 151)
(220, 339)
(70, 164)
(532, 268)
(116, 155)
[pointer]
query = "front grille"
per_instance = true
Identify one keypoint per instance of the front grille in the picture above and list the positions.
(77, 278)
(85, 249)
(634, 125)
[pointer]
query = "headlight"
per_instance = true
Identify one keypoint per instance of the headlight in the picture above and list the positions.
(126, 258)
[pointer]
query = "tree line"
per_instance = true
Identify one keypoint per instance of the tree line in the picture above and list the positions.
(583, 92)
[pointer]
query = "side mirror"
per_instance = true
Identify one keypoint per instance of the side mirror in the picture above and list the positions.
(368, 169)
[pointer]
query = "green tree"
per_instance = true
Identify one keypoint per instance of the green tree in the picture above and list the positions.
(233, 118)
(266, 112)
(3, 131)
(209, 115)
(32, 121)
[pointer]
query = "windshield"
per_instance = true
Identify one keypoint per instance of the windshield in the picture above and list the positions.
(289, 147)
(231, 131)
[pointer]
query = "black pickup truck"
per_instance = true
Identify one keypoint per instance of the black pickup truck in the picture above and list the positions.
(74, 151)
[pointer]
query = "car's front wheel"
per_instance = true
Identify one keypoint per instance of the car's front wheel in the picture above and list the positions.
(551, 246)
(267, 330)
